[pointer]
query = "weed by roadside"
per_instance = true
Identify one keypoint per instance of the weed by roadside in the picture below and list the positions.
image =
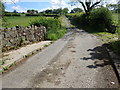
(115, 46)
(106, 37)
(56, 28)
(111, 40)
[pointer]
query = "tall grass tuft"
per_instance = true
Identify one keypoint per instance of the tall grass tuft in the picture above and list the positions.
(54, 28)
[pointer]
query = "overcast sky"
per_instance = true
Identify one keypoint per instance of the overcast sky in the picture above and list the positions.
(40, 5)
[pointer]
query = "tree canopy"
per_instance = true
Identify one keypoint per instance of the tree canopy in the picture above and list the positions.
(76, 10)
(87, 5)
(114, 7)
(56, 11)
(65, 11)
(14, 11)
(2, 9)
(32, 11)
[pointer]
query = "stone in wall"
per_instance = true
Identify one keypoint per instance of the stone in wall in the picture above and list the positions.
(17, 36)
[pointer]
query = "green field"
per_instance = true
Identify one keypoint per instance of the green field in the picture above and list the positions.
(116, 18)
(56, 27)
(12, 21)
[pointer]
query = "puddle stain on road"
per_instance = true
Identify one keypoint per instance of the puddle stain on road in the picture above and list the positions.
(51, 74)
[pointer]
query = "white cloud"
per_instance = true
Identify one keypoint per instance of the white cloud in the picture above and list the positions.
(35, 0)
(14, 1)
(10, 1)
(44, 9)
(54, 1)
(19, 9)
(6, 10)
(16, 7)
(57, 4)
(113, 1)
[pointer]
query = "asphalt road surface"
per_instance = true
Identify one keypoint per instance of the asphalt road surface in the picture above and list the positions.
(78, 60)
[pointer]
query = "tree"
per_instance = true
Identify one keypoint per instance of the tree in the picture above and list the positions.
(118, 8)
(65, 11)
(2, 9)
(112, 7)
(2, 14)
(57, 11)
(87, 5)
(28, 11)
(36, 11)
(32, 11)
(76, 10)
(14, 11)
(48, 11)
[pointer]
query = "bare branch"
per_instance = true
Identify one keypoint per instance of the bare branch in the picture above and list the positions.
(94, 4)
(83, 5)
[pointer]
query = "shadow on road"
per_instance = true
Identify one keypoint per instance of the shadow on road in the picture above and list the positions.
(99, 55)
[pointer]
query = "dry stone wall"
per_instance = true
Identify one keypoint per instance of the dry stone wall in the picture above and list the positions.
(12, 38)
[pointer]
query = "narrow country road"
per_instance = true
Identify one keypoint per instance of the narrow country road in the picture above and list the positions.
(78, 60)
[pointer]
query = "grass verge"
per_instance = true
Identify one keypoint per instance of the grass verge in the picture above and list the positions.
(111, 40)
(11, 21)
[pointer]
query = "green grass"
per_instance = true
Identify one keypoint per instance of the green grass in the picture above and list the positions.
(21, 21)
(63, 23)
(0, 23)
(116, 18)
(59, 32)
(106, 37)
(56, 28)
(111, 40)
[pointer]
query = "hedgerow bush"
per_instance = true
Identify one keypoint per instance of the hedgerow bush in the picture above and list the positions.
(115, 47)
(53, 26)
(49, 23)
(16, 14)
(12, 14)
(102, 20)
(32, 14)
(8, 14)
(98, 20)
(73, 15)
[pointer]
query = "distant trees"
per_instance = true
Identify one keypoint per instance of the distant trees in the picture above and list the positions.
(32, 11)
(48, 11)
(114, 7)
(65, 11)
(55, 11)
(118, 10)
(75, 10)
(15, 11)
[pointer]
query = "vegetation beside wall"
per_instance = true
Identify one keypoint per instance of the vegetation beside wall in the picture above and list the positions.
(98, 20)
(102, 23)
(54, 28)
